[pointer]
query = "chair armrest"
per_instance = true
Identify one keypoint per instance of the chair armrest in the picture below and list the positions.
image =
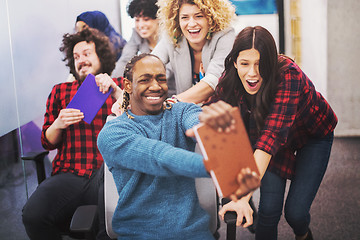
(230, 218)
(85, 219)
(38, 158)
(35, 156)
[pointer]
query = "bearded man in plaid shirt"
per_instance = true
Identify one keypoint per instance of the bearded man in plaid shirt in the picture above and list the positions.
(76, 177)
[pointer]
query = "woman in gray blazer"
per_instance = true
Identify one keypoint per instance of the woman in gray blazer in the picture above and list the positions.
(198, 39)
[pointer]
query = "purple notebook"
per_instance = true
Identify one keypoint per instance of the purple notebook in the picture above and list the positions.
(88, 99)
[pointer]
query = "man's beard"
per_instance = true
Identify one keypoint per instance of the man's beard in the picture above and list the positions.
(82, 77)
(79, 77)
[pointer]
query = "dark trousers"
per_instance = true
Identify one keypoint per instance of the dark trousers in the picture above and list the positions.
(49, 210)
(311, 164)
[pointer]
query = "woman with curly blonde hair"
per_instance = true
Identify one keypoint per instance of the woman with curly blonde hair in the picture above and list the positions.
(199, 37)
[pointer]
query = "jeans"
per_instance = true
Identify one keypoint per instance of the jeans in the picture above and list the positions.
(311, 164)
(49, 209)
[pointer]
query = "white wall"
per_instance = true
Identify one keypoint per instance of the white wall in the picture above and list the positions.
(31, 62)
(36, 30)
(127, 23)
(268, 21)
(330, 33)
(343, 64)
(314, 42)
(8, 109)
(313, 15)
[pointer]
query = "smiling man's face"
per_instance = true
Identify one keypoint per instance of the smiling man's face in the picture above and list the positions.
(148, 89)
(86, 60)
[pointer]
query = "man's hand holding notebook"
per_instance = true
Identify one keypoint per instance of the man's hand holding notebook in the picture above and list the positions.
(228, 155)
(89, 98)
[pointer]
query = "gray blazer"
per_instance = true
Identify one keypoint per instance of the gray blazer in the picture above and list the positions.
(135, 45)
(213, 56)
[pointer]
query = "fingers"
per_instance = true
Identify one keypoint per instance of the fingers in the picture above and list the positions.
(68, 117)
(225, 208)
(242, 209)
(117, 109)
(248, 217)
(222, 213)
(234, 197)
(248, 182)
(248, 178)
(239, 220)
(70, 113)
(218, 116)
(190, 133)
(104, 82)
(245, 212)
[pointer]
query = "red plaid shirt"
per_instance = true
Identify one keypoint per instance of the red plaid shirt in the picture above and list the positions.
(297, 114)
(77, 152)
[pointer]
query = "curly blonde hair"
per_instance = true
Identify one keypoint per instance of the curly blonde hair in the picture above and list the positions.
(219, 14)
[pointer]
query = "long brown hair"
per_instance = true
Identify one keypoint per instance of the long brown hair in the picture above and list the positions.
(230, 87)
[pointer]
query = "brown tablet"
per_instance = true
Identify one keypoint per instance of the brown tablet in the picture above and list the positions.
(225, 154)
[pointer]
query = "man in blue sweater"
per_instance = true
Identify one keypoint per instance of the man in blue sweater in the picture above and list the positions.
(152, 159)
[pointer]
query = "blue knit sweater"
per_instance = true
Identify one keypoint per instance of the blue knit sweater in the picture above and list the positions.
(154, 166)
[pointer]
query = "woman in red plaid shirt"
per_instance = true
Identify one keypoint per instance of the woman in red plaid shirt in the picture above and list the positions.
(290, 126)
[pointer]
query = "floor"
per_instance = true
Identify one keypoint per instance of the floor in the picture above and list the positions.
(334, 212)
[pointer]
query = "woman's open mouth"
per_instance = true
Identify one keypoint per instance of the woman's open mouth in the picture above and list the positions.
(194, 32)
(252, 83)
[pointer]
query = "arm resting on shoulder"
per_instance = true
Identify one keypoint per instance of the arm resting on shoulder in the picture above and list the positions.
(196, 94)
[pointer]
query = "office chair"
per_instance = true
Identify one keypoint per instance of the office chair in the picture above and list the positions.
(206, 194)
(84, 221)
(85, 218)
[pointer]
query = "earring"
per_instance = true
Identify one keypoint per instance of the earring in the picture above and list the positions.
(176, 36)
(208, 35)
